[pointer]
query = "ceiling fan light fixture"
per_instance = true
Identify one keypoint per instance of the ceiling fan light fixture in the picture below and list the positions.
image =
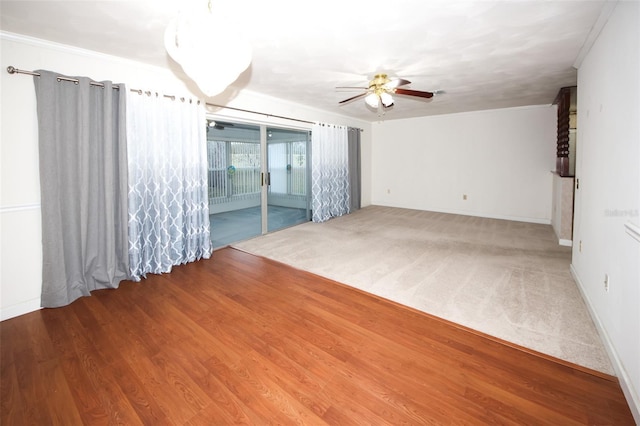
(386, 99)
(379, 94)
(372, 100)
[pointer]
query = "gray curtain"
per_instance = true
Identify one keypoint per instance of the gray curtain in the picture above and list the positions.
(83, 180)
(354, 168)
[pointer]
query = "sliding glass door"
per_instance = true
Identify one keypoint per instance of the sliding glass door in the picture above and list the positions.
(258, 180)
(235, 166)
(288, 200)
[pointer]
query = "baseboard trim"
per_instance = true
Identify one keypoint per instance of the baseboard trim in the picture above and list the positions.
(19, 309)
(623, 378)
(566, 243)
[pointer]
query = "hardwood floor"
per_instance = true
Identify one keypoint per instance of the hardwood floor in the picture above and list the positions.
(242, 339)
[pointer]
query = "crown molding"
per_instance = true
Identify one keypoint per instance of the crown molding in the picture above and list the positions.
(65, 48)
(605, 14)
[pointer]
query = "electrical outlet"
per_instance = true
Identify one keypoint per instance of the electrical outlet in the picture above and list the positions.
(388, 191)
(464, 196)
(580, 247)
(606, 283)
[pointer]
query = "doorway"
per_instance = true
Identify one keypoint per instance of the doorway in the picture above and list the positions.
(259, 179)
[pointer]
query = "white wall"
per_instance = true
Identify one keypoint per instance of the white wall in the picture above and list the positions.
(608, 168)
(20, 226)
(501, 159)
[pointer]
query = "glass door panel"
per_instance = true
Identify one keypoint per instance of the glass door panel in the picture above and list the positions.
(235, 167)
(288, 193)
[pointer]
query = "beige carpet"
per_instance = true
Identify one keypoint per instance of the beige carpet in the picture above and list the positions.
(507, 279)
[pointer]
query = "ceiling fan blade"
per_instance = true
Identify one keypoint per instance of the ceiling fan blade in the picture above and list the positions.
(418, 93)
(397, 82)
(353, 98)
(351, 87)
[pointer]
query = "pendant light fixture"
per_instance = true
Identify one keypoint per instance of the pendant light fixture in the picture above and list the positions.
(208, 48)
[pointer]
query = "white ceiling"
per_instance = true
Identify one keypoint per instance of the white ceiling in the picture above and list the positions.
(481, 54)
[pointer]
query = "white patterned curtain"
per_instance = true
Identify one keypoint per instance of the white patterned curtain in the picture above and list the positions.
(168, 201)
(329, 171)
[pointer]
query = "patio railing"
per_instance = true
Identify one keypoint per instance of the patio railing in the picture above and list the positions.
(234, 174)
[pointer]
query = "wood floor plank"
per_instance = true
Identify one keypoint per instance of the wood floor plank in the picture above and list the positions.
(239, 339)
(88, 401)
(224, 406)
(12, 406)
(89, 372)
(139, 396)
(177, 398)
(60, 403)
(291, 379)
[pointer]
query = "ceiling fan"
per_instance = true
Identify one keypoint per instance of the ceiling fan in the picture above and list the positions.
(378, 94)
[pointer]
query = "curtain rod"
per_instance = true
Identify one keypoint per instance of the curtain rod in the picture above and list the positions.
(14, 70)
(261, 113)
(270, 115)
